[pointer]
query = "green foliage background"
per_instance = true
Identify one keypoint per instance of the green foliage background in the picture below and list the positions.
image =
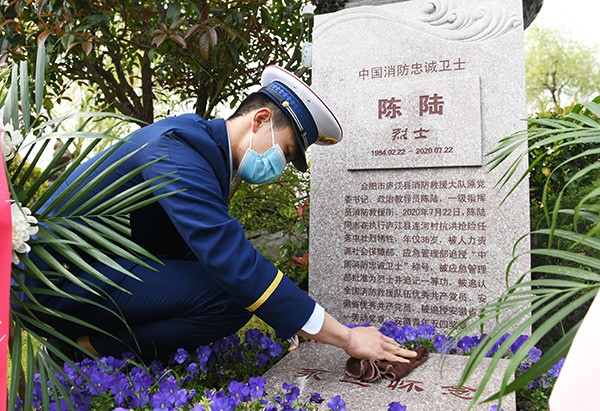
(278, 207)
(559, 69)
(542, 181)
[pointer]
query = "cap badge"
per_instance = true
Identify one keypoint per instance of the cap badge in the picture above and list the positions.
(323, 139)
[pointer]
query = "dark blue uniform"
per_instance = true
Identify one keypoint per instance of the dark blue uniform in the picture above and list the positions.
(212, 279)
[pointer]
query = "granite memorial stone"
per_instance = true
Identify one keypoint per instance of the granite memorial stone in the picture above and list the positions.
(406, 222)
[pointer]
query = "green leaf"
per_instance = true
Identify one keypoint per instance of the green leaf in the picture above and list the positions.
(30, 372)
(35, 249)
(15, 369)
(76, 184)
(84, 190)
(72, 134)
(235, 55)
(13, 106)
(542, 330)
(582, 275)
(20, 286)
(134, 202)
(53, 263)
(104, 193)
(30, 169)
(40, 74)
(584, 119)
(593, 107)
(119, 239)
(25, 106)
(106, 243)
(94, 252)
(44, 383)
(538, 309)
(62, 178)
(173, 11)
(113, 222)
(569, 256)
(551, 357)
(132, 194)
(572, 236)
(144, 203)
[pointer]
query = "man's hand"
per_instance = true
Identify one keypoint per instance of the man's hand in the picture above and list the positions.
(292, 346)
(364, 343)
(367, 342)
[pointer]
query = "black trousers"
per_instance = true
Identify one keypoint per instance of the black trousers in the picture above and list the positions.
(177, 306)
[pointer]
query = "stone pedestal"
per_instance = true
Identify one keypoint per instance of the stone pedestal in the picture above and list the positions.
(430, 387)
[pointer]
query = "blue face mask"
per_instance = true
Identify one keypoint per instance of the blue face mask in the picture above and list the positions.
(261, 168)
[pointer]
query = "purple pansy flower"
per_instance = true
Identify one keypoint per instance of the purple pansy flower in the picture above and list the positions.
(204, 353)
(37, 392)
(62, 403)
(260, 360)
(265, 342)
(169, 386)
(223, 404)
(253, 335)
(128, 356)
(287, 406)
(139, 400)
(395, 406)
(475, 340)
(157, 367)
(121, 392)
(464, 343)
(426, 332)
(555, 370)
(192, 369)
(182, 397)
(439, 341)
(518, 343)
(275, 349)
(257, 386)
(238, 391)
(141, 382)
(81, 400)
(291, 391)
(337, 404)
(100, 381)
(180, 356)
(534, 354)
(73, 374)
(315, 397)
(388, 328)
(162, 400)
(410, 333)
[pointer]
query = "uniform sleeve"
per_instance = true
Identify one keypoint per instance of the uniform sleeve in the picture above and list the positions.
(202, 218)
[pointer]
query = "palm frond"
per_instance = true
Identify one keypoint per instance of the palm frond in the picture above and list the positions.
(565, 286)
(76, 228)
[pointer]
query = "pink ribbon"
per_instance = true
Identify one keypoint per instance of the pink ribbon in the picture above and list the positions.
(5, 264)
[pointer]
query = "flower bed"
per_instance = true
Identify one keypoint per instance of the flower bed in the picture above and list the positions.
(225, 376)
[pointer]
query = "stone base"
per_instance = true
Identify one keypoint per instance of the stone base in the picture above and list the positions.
(320, 368)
